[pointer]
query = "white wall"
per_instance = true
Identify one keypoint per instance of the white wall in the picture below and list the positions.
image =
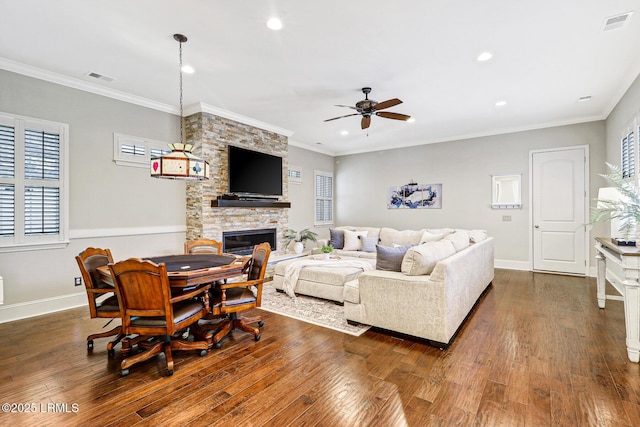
(302, 212)
(105, 200)
(622, 116)
(464, 168)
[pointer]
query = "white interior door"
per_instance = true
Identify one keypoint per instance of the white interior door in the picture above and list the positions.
(558, 204)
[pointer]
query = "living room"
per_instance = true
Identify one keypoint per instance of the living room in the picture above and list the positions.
(122, 208)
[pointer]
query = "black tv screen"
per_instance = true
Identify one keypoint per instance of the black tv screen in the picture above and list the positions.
(252, 172)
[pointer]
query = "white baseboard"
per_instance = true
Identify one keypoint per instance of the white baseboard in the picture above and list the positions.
(512, 265)
(9, 313)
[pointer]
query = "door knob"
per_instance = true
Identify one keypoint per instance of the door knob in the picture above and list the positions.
(536, 226)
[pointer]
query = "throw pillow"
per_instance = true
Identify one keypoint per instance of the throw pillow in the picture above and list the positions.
(477, 236)
(460, 239)
(337, 238)
(422, 259)
(430, 237)
(351, 241)
(389, 258)
(368, 243)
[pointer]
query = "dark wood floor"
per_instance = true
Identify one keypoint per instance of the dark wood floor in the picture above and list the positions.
(535, 351)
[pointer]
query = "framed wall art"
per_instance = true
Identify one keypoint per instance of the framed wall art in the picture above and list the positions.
(415, 196)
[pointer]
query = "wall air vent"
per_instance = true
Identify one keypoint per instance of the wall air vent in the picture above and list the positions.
(618, 21)
(100, 77)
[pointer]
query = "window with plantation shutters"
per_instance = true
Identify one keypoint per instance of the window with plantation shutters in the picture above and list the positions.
(323, 198)
(33, 202)
(628, 154)
(136, 151)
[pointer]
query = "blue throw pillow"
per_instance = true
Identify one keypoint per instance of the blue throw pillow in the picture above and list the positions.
(337, 238)
(368, 243)
(389, 258)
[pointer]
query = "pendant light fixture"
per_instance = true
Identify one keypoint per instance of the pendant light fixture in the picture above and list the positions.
(180, 163)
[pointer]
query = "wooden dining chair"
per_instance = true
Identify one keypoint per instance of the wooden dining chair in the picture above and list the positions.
(228, 299)
(103, 302)
(148, 308)
(203, 246)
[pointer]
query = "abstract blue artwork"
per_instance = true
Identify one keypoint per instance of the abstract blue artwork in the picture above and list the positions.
(415, 196)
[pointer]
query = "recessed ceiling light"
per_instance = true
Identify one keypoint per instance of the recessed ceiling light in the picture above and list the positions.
(344, 132)
(188, 69)
(274, 24)
(501, 103)
(584, 98)
(484, 56)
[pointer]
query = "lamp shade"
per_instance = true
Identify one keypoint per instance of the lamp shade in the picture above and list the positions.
(180, 163)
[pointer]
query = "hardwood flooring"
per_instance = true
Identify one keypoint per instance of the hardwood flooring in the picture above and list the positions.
(535, 351)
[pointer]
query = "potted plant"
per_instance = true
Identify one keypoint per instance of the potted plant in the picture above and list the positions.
(326, 250)
(299, 237)
(625, 208)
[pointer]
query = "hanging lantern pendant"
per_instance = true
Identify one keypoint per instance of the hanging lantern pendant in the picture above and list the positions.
(180, 163)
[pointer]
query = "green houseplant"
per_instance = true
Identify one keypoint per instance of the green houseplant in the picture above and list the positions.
(299, 237)
(326, 250)
(625, 208)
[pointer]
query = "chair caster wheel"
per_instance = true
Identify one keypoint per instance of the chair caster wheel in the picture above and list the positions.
(90, 345)
(111, 353)
(124, 372)
(203, 352)
(257, 338)
(169, 372)
(260, 324)
(217, 346)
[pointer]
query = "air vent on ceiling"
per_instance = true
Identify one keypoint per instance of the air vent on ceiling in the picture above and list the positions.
(100, 77)
(617, 21)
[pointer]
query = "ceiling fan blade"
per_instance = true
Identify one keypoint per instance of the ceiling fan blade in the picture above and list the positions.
(366, 121)
(347, 106)
(394, 116)
(386, 104)
(348, 115)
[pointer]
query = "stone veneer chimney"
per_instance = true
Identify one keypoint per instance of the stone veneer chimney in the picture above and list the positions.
(210, 135)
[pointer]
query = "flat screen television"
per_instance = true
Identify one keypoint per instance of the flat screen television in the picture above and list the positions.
(252, 172)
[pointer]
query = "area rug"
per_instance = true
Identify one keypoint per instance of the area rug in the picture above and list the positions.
(320, 312)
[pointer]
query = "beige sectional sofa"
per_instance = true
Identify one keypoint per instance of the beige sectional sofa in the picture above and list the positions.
(425, 284)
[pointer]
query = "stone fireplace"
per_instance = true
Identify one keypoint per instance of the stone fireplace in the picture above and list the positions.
(210, 134)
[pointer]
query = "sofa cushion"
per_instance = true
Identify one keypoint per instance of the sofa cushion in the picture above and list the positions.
(423, 258)
(351, 240)
(389, 258)
(337, 238)
(351, 292)
(390, 237)
(368, 243)
(460, 239)
(430, 237)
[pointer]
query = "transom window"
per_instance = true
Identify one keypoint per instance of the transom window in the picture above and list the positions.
(136, 151)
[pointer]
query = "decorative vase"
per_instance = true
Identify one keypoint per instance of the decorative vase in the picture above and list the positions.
(298, 247)
(327, 256)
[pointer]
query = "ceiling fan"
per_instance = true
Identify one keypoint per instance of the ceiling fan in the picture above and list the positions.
(368, 107)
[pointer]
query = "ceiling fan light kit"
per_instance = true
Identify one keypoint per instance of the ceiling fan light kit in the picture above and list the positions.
(368, 107)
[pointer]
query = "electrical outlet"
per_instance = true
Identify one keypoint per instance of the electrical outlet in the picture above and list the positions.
(506, 217)
(77, 281)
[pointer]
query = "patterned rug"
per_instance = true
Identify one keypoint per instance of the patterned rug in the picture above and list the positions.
(308, 309)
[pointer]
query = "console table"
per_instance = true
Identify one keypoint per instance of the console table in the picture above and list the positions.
(621, 266)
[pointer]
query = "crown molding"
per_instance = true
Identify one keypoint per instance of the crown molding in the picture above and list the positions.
(309, 147)
(49, 76)
(200, 107)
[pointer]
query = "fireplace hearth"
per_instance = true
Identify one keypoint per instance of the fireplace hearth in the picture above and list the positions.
(242, 242)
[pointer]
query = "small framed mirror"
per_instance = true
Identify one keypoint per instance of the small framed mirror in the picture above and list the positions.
(506, 191)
